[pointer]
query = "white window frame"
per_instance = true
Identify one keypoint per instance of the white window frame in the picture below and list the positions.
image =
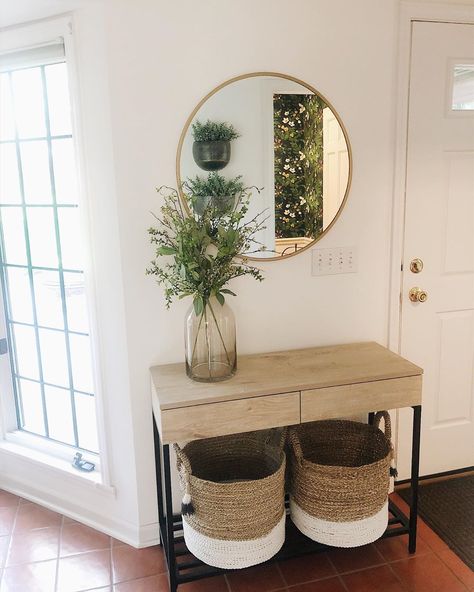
(13, 440)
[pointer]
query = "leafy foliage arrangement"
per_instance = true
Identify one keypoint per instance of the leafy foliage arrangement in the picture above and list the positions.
(298, 132)
(203, 249)
(212, 131)
(215, 185)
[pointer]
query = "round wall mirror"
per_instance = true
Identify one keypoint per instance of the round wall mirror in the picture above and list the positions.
(279, 134)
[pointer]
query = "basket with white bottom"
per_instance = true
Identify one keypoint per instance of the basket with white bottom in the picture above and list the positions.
(340, 478)
(233, 503)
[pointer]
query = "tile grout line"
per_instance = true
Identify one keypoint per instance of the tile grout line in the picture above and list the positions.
(60, 540)
(338, 575)
(438, 555)
(286, 585)
(111, 560)
(398, 578)
(10, 541)
(352, 571)
(73, 555)
(451, 570)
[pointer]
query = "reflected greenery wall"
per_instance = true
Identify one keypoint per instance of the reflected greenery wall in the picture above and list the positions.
(298, 137)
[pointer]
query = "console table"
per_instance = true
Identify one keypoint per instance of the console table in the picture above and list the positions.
(273, 390)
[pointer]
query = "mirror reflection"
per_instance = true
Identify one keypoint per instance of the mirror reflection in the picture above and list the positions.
(279, 135)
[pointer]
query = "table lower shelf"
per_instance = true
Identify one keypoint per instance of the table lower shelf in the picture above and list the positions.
(188, 568)
(184, 567)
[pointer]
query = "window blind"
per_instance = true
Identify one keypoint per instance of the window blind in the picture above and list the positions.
(27, 57)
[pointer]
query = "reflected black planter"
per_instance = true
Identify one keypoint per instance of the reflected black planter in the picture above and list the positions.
(212, 156)
(223, 204)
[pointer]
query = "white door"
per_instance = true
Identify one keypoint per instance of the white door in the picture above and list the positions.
(438, 334)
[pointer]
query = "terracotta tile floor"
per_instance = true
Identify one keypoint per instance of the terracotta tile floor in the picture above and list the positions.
(41, 551)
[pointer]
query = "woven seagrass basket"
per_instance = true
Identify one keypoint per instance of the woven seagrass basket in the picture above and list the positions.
(233, 504)
(340, 477)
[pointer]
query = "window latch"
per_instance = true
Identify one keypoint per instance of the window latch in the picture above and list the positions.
(3, 346)
(82, 465)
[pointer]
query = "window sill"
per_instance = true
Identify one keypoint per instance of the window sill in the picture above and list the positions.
(14, 444)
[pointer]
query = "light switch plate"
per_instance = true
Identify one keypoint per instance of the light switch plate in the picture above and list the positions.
(334, 260)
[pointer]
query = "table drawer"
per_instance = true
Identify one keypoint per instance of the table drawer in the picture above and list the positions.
(342, 401)
(229, 417)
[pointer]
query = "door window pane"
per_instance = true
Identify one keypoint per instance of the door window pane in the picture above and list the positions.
(14, 236)
(72, 244)
(36, 175)
(59, 413)
(53, 357)
(20, 294)
(32, 407)
(9, 177)
(26, 353)
(42, 233)
(64, 171)
(81, 363)
(28, 101)
(463, 87)
(76, 302)
(86, 421)
(7, 123)
(49, 306)
(58, 99)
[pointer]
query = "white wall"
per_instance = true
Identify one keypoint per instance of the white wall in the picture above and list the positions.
(161, 58)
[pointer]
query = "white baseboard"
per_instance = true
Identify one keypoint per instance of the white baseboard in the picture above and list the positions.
(122, 530)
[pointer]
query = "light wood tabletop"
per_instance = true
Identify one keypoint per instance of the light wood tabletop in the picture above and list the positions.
(284, 388)
(282, 372)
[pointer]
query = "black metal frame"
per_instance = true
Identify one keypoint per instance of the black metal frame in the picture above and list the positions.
(184, 567)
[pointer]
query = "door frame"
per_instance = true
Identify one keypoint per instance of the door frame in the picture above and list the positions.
(409, 12)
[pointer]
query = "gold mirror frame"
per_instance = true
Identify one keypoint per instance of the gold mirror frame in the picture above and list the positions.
(297, 81)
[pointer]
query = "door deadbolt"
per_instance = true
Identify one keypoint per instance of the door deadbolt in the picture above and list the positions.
(416, 265)
(417, 295)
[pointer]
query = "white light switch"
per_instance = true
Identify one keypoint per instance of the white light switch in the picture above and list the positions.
(334, 260)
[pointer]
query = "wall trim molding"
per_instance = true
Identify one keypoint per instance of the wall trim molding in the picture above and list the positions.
(120, 529)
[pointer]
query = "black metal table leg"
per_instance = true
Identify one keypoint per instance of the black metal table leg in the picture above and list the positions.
(415, 468)
(159, 485)
(169, 534)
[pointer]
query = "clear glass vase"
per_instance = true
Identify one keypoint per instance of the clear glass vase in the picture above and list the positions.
(210, 342)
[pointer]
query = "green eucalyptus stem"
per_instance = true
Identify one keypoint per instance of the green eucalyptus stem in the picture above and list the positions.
(195, 341)
(220, 334)
(196, 254)
(207, 343)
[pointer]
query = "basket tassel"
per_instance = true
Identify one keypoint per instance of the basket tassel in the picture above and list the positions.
(187, 508)
(393, 469)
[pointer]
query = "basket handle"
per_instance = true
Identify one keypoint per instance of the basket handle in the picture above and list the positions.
(184, 471)
(388, 435)
(387, 423)
(182, 460)
(295, 444)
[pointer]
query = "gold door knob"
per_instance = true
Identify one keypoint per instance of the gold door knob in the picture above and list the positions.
(417, 295)
(416, 265)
